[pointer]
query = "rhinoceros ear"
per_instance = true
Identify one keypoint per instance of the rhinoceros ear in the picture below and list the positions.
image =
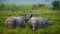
(30, 14)
(27, 17)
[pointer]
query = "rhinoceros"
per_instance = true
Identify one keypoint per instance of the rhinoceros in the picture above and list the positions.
(14, 21)
(38, 22)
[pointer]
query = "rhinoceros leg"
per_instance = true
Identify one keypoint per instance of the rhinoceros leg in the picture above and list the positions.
(33, 27)
(22, 25)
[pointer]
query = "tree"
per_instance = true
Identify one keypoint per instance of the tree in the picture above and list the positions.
(55, 4)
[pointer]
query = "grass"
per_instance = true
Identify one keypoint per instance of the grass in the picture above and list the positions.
(45, 13)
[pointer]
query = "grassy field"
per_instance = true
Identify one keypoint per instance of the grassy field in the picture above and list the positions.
(41, 12)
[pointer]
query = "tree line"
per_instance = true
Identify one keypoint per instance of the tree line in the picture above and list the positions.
(12, 7)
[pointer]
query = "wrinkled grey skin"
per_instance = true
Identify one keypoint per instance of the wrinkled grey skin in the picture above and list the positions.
(36, 22)
(14, 21)
(20, 21)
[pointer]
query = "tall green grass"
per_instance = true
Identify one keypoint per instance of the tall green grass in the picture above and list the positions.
(41, 12)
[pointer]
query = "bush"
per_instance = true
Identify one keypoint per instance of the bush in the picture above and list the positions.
(55, 4)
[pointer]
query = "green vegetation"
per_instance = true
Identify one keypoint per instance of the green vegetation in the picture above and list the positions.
(56, 4)
(20, 10)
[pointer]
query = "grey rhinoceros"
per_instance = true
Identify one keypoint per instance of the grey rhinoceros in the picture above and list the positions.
(38, 22)
(14, 21)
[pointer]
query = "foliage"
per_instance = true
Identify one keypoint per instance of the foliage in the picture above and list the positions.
(37, 6)
(56, 4)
